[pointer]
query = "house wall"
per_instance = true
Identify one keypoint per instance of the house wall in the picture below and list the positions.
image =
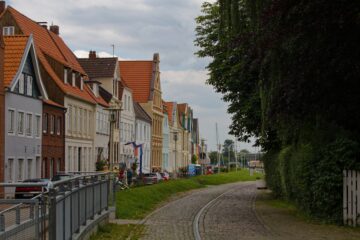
(80, 135)
(22, 152)
(127, 128)
(166, 144)
(2, 116)
(143, 136)
(102, 134)
(53, 144)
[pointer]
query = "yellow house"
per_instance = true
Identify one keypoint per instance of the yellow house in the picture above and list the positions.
(143, 77)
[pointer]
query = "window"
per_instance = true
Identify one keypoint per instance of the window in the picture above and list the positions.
(45, 123)
(11, 121)
(58, 124)
(10, 169)
(20, 169)
(65, 75)
(81, 83)
(129, 103)
(125, 102)
(52, 124)
(58, 165)
(29, 168)
(73, 79)
(20, 128)
(28, 124)
(37, 126)
(38, 167)
(21, 83)
(70, 119)
(29, 86)
(8, 30)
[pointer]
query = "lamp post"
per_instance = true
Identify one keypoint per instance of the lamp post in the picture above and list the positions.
(113, 117)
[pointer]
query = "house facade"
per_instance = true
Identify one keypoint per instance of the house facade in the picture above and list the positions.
(24, 94)
(175, 137)
(127, 126)
(63, 78)
(166, 141)
(105, 75)
(184, 119)
(53, 139)
(143, 135)
(143, 77)
(2, 109)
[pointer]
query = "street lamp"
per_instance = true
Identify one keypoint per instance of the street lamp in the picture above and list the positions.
(113, 117)
(175, 139)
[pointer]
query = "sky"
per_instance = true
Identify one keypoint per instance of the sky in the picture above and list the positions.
(138, 29)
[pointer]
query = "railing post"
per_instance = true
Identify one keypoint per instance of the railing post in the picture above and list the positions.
(2, 223)
(52, 214)
(17, 216)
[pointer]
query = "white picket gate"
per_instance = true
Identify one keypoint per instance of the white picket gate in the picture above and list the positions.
(351, 198)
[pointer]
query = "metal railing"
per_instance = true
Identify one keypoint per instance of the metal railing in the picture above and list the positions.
(63, 210)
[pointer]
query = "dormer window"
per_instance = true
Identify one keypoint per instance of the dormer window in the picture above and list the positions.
(29, 85)
(81, 83)
(8, 30)
(73, 79)
(65, 75)
(95, 89)
(21, 83)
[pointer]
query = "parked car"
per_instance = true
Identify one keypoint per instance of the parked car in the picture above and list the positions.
(30, 192)
(165, 176)
(149, 178)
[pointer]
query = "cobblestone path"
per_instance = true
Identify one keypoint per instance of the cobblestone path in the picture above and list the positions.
(230, 216)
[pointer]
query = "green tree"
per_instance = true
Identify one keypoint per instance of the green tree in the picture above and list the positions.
(213, 155)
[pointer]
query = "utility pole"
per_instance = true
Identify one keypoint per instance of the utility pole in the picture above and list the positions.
(113, 49)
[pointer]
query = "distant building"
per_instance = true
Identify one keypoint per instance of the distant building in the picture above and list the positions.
(166, 141)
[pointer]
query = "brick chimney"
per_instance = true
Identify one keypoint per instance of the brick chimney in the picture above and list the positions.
(156, 57)
(54, 29)
(92, 55)
(2, 6)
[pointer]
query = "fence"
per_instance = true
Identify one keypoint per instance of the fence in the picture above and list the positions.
(351, 198)
(67, 209)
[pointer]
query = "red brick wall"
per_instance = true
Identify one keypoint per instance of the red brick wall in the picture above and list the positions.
(53, 145)
(2, 114)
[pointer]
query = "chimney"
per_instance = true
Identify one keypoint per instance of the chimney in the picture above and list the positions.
(156, 57)
(92, 55)
(54, 29)
(2, 6)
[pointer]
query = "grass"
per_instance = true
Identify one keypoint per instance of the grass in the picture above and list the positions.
(136, 203)
(114, 231)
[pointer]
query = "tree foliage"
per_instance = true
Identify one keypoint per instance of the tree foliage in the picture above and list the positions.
(290, 72)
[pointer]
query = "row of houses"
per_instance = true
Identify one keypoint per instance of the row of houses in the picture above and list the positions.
(63, 113)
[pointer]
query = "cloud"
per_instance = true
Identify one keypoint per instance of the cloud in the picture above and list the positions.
(138, 29)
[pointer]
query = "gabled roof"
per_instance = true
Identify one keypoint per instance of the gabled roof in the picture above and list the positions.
(140, 113)
(99, 67)
(13, 54)
(182, 107)
(49, 44)
(99, 100)
(169, 107)
(105, 94)
(138, 76)
(17, 48)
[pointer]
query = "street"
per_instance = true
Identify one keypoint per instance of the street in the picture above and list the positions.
(228, 212)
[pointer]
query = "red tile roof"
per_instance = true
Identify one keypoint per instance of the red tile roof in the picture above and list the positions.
(49, 102)
(169, 106)
(14, 51)
(138, 75)
(50, 44)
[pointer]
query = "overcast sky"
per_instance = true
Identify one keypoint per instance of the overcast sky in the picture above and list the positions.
(139, 28)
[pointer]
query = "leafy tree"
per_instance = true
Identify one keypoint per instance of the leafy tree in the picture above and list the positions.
(213, 155)
(194, 159)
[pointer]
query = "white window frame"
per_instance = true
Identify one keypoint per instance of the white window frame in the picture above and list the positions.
(37, 125)
(73, 79)
(65, 75)
(58, 125)
(29, 86)
(22, 83)
(10, 168)
(11, 121)
(28, 124)
(8, 30)
(20, 133)
(81, 83)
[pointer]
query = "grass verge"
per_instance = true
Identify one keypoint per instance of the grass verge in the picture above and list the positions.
(114, 231)
(136, 203)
